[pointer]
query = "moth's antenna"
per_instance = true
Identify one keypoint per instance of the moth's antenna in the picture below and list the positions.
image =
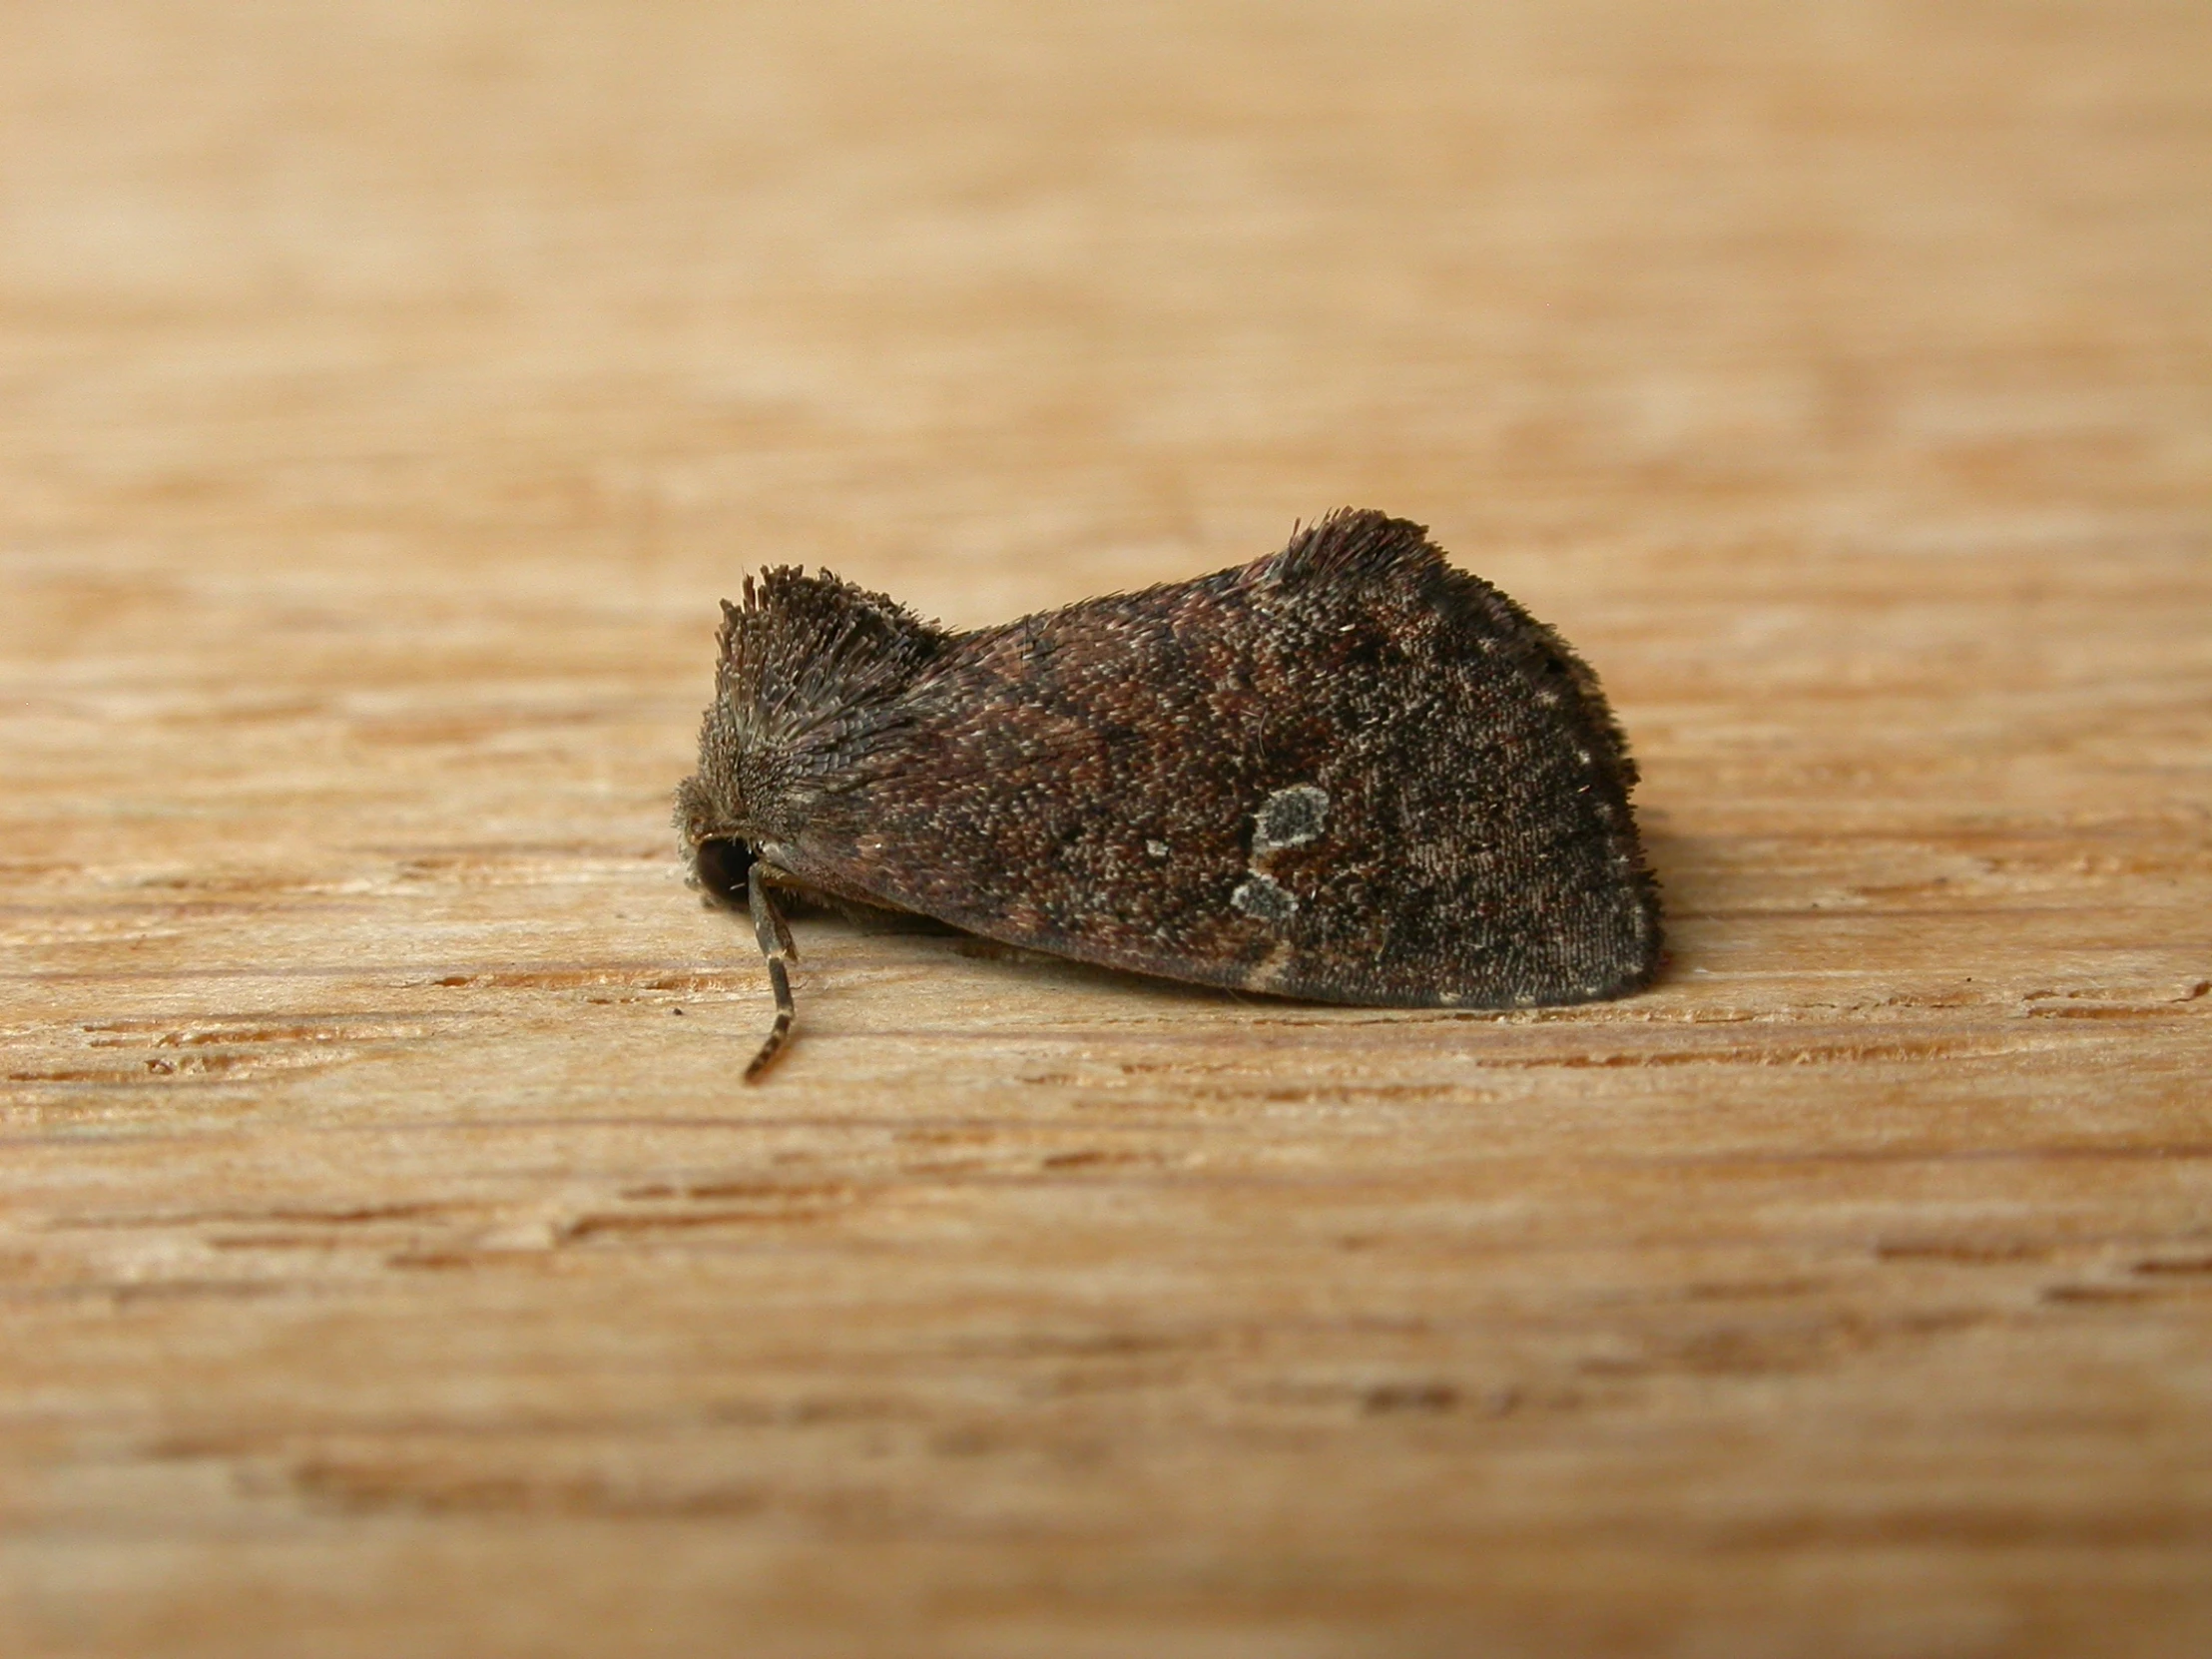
(775, 935)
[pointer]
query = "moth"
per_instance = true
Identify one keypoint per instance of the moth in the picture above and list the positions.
(1347, 772)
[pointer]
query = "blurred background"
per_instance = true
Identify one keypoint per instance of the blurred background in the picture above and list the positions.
(1024, 299)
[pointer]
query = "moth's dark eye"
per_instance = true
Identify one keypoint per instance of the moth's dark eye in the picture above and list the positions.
(723, 867)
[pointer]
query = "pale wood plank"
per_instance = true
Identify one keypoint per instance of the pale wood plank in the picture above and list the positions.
(391, 1261)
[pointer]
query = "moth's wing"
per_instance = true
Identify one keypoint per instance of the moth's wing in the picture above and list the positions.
(1348, 772)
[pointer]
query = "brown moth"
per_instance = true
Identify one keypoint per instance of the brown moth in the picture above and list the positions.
(1347, 772)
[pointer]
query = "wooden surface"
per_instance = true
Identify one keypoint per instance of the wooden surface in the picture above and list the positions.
(390, 1261)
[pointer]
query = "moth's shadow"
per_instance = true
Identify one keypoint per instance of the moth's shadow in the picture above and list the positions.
(1686, 868)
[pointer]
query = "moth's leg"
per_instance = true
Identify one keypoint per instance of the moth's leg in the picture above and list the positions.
(797, 890)
(775, 935)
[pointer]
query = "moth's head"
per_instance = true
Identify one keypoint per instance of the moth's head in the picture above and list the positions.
(713, 823)
(720, 867)
(713, 841)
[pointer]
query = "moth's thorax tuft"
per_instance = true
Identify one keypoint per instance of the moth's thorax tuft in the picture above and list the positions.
(807, 668)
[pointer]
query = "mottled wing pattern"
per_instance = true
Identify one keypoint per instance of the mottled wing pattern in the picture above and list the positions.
(1347, 772)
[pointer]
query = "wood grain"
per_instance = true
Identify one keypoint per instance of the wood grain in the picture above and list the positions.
(390, 1260)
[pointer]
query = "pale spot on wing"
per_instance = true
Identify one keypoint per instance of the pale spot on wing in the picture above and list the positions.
(1290, 818)
(1258, 896)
